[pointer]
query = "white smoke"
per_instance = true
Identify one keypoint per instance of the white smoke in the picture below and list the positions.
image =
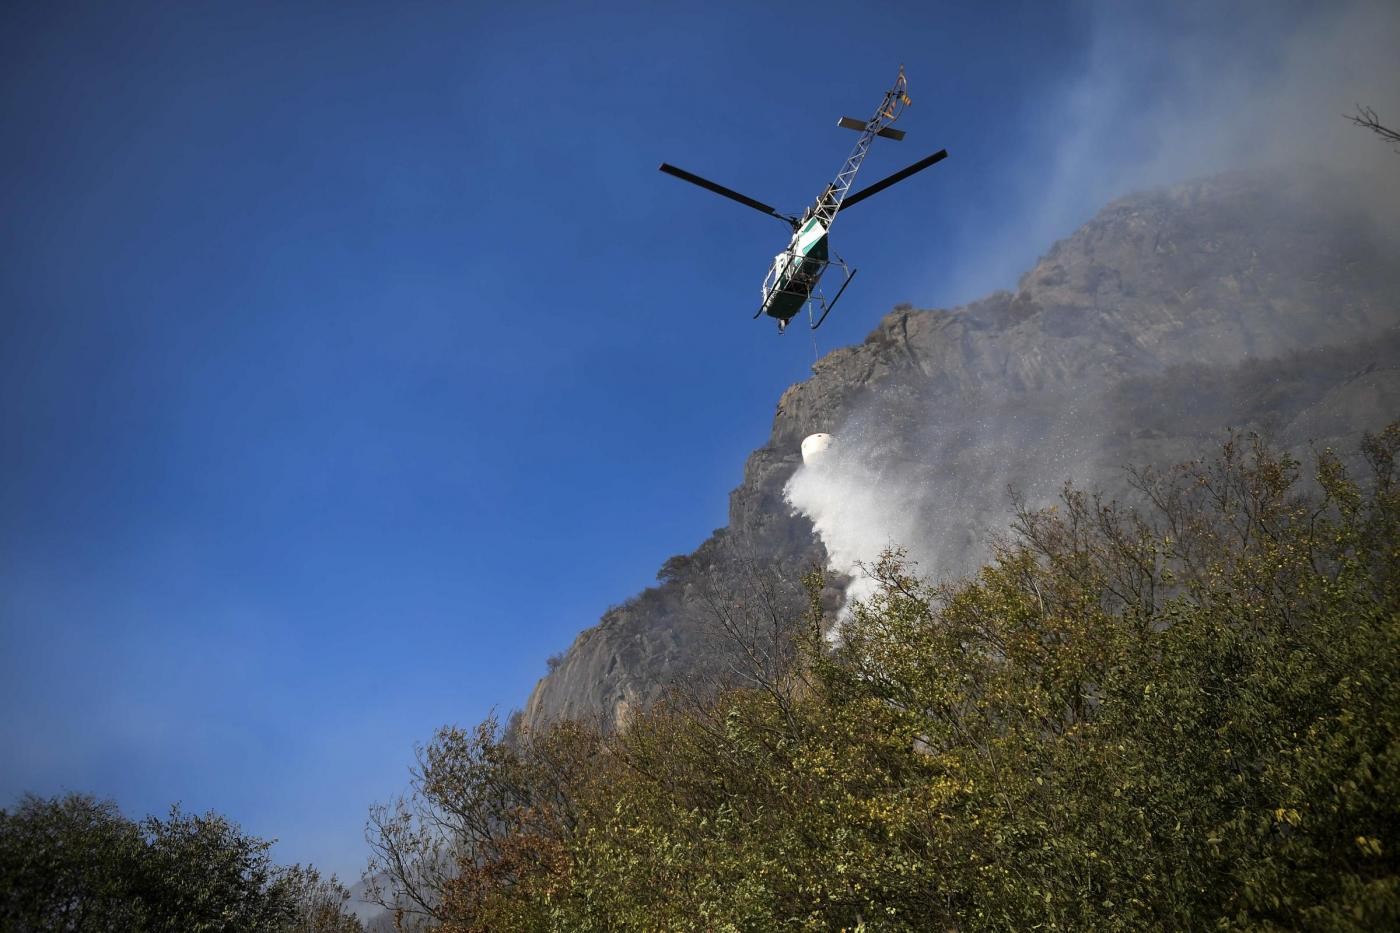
(853, 510)
(1166, 95)
(938, 488)
(1169, 92)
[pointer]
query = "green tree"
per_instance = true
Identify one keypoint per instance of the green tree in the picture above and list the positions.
(68, 864)
(484, 838)
(1184, 715)
(75, 864)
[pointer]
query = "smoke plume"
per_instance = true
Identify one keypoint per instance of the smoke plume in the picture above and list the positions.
(1165, 96)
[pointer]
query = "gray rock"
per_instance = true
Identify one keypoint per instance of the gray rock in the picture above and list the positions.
(1265, 301)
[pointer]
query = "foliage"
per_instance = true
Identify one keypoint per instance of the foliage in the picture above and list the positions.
(74, 863)
(1183, 717)
(483, 835)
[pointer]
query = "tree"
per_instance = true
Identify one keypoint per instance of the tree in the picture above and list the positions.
(1179, 715)
(69, 864)
(320, 903)
(483, 838)
(75, 864)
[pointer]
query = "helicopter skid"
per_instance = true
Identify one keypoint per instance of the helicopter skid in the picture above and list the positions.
(785, 302)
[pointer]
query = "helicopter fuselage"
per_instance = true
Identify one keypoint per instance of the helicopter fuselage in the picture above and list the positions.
(796, 271)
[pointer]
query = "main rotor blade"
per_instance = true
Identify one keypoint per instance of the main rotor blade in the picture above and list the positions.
(898, 176)
(730, 193)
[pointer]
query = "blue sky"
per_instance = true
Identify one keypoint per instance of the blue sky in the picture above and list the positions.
(354, 357)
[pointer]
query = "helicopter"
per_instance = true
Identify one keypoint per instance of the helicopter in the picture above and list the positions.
(792, 280)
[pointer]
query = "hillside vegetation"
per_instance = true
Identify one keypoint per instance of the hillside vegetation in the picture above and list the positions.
(74, 864)
(1177, 717)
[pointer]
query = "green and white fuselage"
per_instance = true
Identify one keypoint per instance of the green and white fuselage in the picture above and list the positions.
(795, 271)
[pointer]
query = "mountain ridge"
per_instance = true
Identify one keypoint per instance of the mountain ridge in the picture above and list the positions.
(1228, 277)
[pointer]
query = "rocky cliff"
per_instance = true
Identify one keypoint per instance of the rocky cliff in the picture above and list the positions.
(1259, 301)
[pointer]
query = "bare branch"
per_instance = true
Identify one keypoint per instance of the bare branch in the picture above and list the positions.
(1367, 118)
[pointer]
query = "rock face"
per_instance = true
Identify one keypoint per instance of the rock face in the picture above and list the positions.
(1258, 301)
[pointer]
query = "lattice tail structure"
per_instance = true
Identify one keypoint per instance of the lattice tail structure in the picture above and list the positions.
(896, 99)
